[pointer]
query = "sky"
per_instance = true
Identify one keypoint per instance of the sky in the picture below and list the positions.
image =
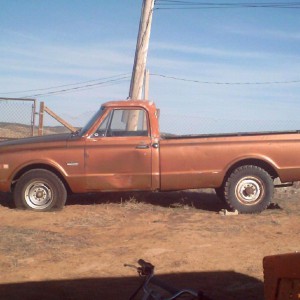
(58, 43)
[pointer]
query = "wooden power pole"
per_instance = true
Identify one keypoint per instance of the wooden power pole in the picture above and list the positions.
(142, 45)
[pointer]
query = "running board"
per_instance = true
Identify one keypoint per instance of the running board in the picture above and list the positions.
(287, 184)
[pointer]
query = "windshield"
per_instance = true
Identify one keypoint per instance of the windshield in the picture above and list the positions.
(96, 116)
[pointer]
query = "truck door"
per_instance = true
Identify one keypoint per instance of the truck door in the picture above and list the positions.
(118, 154)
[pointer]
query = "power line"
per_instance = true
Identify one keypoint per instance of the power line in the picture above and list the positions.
(197, 2)
(64, 85)
(84, 87)
(124, 78)
(225, 83)
(228, 4)
(173, 4)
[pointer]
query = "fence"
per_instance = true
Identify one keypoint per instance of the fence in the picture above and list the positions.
(52, 129)
(187, 124)
(17, 118)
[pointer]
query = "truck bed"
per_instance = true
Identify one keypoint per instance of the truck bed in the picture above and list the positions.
(169, 136)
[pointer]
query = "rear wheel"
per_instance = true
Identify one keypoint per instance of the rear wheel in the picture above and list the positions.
(39, 190)
(249, 189)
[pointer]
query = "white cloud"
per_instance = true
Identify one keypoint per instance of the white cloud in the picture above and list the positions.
(81, 57)
(264, 33)
(25, 54)
(207, 51)
(30, 63)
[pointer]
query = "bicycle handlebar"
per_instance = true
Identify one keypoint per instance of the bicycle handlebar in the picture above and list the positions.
(146, 268)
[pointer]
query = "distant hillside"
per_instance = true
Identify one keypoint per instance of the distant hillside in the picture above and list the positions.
(16, 130)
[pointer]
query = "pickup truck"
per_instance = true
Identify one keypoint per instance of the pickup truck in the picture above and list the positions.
(121, 149)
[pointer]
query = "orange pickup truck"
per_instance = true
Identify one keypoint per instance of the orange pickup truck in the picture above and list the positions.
(121, 149)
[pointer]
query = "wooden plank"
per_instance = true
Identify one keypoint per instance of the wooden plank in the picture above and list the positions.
(59, 119)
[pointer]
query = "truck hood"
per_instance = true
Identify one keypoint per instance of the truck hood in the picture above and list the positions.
(34, 143)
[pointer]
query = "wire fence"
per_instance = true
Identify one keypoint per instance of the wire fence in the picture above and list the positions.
(186, 125)
(17, 118)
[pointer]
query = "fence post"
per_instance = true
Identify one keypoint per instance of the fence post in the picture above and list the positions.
(41, 118)
(33, 118)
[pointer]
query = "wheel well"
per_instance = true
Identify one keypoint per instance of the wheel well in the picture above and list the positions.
(44, 167)
(253, 162)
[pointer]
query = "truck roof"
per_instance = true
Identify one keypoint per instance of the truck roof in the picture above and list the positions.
(142, 103)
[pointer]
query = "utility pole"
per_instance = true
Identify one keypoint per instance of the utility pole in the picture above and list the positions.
(142, 45)
(146, 85)
(140, 59)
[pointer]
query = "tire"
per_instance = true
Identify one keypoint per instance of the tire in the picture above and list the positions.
(249, 189)
(220, 193)
(39, 190)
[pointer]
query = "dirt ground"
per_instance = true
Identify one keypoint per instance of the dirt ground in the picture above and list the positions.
(79, 252)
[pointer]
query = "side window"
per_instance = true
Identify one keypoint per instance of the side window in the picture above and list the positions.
(101, 131)
(124, 122)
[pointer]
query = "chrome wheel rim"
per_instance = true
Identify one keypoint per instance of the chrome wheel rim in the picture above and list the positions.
(38, 195)
(249, 190)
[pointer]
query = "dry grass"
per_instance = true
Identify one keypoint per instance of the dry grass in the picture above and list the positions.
(84, 246)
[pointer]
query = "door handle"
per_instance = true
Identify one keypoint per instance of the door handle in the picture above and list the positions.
(142, 146)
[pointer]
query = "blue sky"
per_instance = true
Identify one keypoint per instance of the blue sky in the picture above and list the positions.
(59, 42)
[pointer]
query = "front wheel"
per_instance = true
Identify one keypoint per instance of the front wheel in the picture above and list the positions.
(39, 190)
(249, 189)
